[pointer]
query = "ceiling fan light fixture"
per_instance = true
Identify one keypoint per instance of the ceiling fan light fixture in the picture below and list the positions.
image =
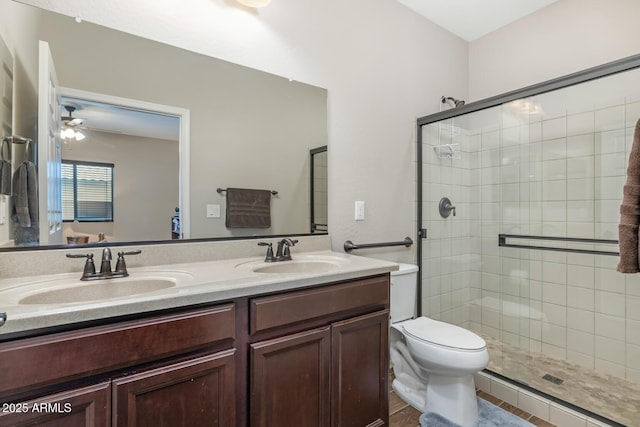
(254, 3)
(79, 136)
(68, 133)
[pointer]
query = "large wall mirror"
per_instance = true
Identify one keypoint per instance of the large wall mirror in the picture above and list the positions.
(219, 125)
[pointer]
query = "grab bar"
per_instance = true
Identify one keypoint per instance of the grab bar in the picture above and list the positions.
(349, 245)
(502, 242)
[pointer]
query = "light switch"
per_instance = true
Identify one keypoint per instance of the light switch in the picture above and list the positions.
(359, 210)
(213, 211)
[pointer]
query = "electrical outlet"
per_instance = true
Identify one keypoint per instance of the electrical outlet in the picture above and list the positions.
(359, 210)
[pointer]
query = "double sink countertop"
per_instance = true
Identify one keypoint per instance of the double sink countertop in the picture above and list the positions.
(36, 302)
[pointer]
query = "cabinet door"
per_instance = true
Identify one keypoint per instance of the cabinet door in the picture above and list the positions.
(197, 392)
(290, 380)
(360, 369)
(86, 406)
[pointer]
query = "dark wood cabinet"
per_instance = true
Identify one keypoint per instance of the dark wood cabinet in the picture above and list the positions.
(335, 374)
(360, 372)
(82, 407)
(290, 380)
(312, 357)
(197, 392)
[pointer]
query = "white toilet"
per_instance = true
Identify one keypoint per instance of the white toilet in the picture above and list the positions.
(433, 362)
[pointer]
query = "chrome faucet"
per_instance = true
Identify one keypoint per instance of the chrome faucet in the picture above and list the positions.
(105, 265)
(283, 253)
(89, 272)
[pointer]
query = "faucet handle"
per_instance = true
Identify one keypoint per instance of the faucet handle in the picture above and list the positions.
(121, 265)
(269, 257)
(136, 252)
(287, 244)
(89, 266)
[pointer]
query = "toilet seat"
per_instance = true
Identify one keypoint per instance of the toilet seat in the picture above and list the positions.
(443, 334)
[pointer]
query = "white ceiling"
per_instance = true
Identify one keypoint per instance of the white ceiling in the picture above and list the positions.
(116, 119)
(468, 19)
(472, 19)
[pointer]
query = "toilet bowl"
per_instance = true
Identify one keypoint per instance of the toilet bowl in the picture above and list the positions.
(433, 361)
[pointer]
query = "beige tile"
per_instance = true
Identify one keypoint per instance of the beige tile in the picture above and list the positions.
(606, 395)
(504, 391)
(533, 404)
(565, 417)
(482, 382)
(540, 423)
(595, 423)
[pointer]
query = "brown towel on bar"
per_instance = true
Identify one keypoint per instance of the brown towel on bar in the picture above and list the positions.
(630, 211)
(248, 208)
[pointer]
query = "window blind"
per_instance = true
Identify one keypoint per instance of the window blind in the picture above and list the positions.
(87, 191)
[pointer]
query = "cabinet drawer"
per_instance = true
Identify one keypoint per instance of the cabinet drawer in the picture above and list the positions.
(310, 304)
(27, 364)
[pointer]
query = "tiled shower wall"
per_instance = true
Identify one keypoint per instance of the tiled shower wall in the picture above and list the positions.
(553, 165)
(449, 253)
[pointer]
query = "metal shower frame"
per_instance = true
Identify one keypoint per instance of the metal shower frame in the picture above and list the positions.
(604, 70)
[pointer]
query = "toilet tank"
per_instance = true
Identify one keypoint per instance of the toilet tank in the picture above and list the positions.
(403, 292)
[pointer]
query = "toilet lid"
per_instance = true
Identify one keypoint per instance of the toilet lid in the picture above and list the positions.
(444, 334)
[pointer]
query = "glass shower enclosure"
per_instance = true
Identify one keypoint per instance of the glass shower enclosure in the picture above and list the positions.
(529, 259)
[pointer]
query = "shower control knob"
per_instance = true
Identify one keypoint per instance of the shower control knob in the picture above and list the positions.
(446, 208)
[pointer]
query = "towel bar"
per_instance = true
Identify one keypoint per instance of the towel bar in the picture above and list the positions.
(222, 190)
(14, 139)
(502, 242)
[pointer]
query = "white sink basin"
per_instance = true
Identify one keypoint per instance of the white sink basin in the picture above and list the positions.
(66, 289)
(302, 264)
(98, 290)
(297, 267)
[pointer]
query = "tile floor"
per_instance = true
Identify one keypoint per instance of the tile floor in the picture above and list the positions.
(403, 415)
(608, 396)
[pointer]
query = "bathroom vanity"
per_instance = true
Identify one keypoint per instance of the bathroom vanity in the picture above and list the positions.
(250, 348)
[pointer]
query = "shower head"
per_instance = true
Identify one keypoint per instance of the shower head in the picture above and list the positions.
(456, 102)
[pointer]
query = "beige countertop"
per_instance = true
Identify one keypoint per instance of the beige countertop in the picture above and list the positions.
(194, 283)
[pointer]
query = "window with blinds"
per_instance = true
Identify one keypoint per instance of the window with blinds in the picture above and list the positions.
(87, 191)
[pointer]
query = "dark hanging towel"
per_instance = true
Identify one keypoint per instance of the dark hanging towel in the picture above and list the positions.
(630, 211)
(25, 194)
(5, 167)
(247, 208)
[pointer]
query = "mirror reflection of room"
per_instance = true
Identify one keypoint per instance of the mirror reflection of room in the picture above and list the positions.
(229, 111)
(103, 155)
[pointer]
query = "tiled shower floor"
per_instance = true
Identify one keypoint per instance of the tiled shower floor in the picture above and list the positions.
(608, 396)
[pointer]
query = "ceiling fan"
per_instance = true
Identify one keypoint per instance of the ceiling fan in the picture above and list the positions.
(71, 126)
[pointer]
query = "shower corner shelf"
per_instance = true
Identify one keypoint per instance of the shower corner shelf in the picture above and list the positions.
(447, 151)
